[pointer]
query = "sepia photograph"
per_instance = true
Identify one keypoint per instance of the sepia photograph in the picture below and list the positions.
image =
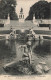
(25, 38)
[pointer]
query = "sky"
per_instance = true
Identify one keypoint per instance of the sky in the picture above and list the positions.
(25, 4)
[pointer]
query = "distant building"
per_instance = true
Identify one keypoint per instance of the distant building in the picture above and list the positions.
(7, 24)
(16, 24)
(21, 16)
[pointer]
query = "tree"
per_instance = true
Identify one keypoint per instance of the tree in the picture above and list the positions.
(40, 9)
(50, 9)
(8, 7)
